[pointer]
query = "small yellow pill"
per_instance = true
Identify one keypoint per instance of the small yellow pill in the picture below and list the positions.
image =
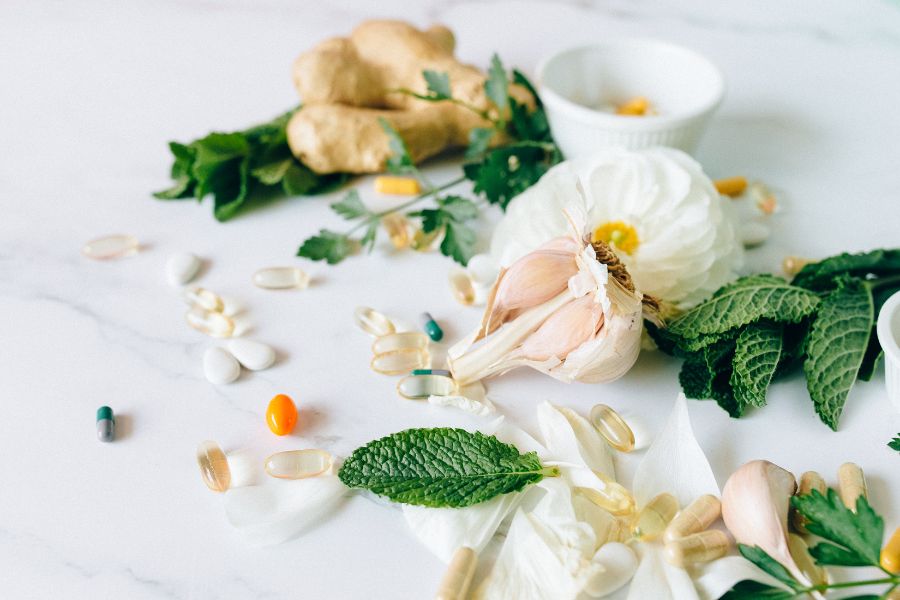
(612, 427)
(700, 514)
(697, 548)
(852, 484)
(635, 107)
(652, 520)
(397, 186)
(890, 554)
(791, 265)
(731, 186)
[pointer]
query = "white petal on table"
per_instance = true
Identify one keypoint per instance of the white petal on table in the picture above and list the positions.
(657, 579)
(571, 438)
(719, 576)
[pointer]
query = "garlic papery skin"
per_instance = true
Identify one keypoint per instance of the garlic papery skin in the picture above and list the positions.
(565, 330)
(755, 503)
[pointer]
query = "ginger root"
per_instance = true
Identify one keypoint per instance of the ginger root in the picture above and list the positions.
(347, 84)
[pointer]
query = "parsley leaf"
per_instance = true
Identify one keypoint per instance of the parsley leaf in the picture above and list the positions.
(459, 242)
(440, 467)
(451, 214)
(351, 206)
(856, 536)
(328, 246)
(497, 85)
(761, 559)
(894, 444)
(510, 170)
(438, 84)
(400, 162)
(479, 140)
(753, 590)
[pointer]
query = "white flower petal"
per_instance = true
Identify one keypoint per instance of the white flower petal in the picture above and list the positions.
(719, 576)
(571, 438)
(657, 579)
(471, 399)
(675, 463)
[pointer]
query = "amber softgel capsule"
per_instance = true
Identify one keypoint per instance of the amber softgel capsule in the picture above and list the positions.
(405, 340)
(612, 427)
(372, 322)
(213, 466)
(651, 521)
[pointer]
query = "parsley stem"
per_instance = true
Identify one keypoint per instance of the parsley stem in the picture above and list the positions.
(895, 580)
(426, 194)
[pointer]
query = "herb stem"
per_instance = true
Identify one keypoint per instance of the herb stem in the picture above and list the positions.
(426, 194)
(848, 584)
(484, 114)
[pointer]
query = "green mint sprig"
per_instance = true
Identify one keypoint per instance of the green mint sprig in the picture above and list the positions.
(760, 327)
(441, 467)
(894, 444)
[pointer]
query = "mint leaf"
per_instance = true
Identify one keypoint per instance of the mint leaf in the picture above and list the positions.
(400, 162)
(438, 84)
(706, 374)
(856, 537)
(753, 590)
(351, 206)
(894, 444)
(328, 246)
(440, 467)
(184, 182)
(229, 187)
(756, 357)
(837, 345)
(479, 140)
(497, 85)
(761, 559)
(822, 275)
(508, 171)
(746, 300)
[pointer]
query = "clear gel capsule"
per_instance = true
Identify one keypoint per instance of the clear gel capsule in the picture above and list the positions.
(763, 197)
(890, 554)
(613, 498)
(213, 466)
(851, 484)
(211, 323)
(298, 464)
(372, 322)
(106, 424)
(613, 428)
(281, 278)
(462, 288)
(652, 520)
(700, 514)
(431, 327)
(697, 548)
(398, 362)
(399, 341)
(204, 298)
(419, 387)
(800, 553)
(397, 228)
(809, 481)
(111, 246)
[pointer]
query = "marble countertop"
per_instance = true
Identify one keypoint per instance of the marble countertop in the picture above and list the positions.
(91, 93)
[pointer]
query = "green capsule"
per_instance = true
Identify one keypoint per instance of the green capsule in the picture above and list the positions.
(431, 327)
(106, 424)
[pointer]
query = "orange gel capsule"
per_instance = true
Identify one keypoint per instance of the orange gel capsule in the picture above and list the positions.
(281, 415)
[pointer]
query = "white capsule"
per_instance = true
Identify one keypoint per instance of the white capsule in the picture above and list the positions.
(619, 565)
(181, 268)
(754, 234)
(255, 356)
(281, 278)
(219, 366)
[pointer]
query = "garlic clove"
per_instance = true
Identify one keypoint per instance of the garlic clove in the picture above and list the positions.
(565, 330)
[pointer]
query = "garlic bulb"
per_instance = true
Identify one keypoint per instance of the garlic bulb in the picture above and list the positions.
(568, 309)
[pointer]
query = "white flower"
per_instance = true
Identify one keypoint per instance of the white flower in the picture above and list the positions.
(656, 207)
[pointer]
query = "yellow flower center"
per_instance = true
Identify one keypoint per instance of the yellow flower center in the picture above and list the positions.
(619, 234)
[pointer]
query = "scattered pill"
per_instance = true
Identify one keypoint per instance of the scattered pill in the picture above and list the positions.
(697, 517)
(111, 246)
(372, 322)
(255, 356)
(281, 278)
(181, 268)
(213, 466)
(619, 565)
(613, 497)
(697, 548)
(397, 228)
(106, 424)
(431, 327)
(219, 366)
(791, 265)
(612, 427)
(422, 242)
(398, 186)
(212, 323)
(462, 288)
(731, 186)
(809, 481)
(618, 530)
(754, 233)
(405, 340)
(281, 415)
(298, 464)
(851, 484)
(890, 554)
(482, 270)
(443, 372)
(638, 106)
(763, 197)
(204, 299)
(419, 387)
(651, 521)
(799, 551)
(399, 362)
(458, 576)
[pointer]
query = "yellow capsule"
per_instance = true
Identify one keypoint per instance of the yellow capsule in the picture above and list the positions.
(399, 341)
(791, 265)
(731, 186)
(851, 484)
(298, 464)
(204, 298)
(462, 288)
(809, 481)
(699, 515)
(111, 246)
(213, 466)
(613, 428)
(419, 387)
(397, 228)
(890, 554)
(372, 322)
(804, 560)
(398, 186)
(422, 241)
(635, 107)
(281, 278)
(211, 323)
(697, 548)
(651, 521)
(398, 362)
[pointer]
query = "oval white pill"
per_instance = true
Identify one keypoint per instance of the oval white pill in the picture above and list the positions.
(182, 268)
(619, 565)
(219, 366)
(252, 355)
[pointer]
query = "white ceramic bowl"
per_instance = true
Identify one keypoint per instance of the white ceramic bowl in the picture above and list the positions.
(889, 337)
(684, 87)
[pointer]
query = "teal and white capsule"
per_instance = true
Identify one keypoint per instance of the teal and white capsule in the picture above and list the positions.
(431, 327)
(443, 372)
(106, 424)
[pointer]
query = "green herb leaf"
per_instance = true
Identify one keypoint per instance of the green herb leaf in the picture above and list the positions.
(273, 172)
(707, 373)
(508, 171)
(459, 242)
(756, 358)
(822, 275)
(894, 444)
(753, 590)
(761, 559)
(856, 536)
(368, 239)
(328, 246)
(497, 85)
(181, 173)
(440, 467)
(746, 300)
(479, 140)
(351, 206)
(837, 344)
(400, 162)
(438, 84)
(451, 214)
